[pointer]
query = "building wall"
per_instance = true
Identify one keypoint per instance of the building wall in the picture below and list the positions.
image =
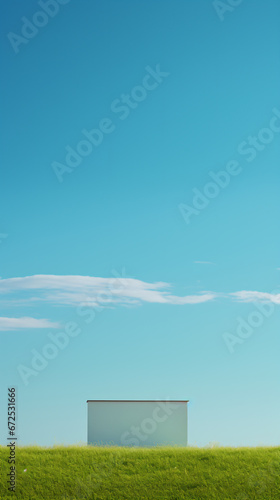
(137, 423)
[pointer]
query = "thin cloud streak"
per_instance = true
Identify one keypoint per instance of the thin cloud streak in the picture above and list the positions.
(7, 324)
(108, 292)
(72, 290)
(253, 296)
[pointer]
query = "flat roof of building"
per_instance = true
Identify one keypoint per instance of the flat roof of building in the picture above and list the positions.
(137, 401)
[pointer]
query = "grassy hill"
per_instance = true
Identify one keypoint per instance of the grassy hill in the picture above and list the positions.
(134, 474)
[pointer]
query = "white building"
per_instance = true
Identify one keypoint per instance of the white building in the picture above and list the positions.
(137, 423)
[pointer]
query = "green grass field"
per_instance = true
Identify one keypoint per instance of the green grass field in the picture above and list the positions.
(127, 473)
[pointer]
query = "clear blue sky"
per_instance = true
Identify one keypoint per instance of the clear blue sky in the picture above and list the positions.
(184, 281)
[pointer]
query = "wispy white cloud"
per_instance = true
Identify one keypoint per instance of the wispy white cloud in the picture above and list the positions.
(72, 290)
(99, 292)
(7, 324)
(191, 299)
(253, 296)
